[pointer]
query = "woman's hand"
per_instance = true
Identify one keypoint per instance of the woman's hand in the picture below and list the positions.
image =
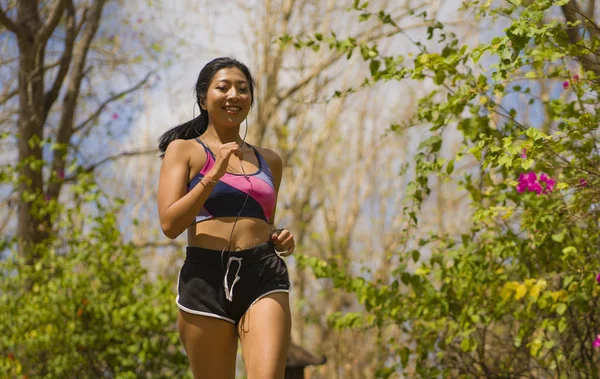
(283, 241)
(222, 155)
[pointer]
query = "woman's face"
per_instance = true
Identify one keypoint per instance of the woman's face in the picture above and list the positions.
(228, 98)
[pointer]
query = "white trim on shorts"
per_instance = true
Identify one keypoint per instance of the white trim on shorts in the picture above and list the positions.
(260, 297)
(188, 310)
(200, 313)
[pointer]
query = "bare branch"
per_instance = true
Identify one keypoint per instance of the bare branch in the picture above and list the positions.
(9, 23)
(44, 33)
(161, 243)
(8, 96)
(7, 61)
(80, 52)
(98, 111)
(316, 70)
(65, 59)
(111, 158)
(591, 9)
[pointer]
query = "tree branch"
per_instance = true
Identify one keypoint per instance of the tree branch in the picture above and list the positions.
(65, 127)
(588, 17)
(161, 243)
(111, 158)
(317, 69)
(571, 11)
(65, 59)
(9, 23)
(8, 96)
(44, 33)
(98, 111)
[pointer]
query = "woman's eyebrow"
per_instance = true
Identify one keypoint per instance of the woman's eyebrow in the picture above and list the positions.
(229, 81)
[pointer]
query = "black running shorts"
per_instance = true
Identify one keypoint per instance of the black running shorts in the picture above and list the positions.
(225, 285)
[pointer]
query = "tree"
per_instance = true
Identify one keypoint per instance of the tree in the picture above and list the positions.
(54, 94)
(76, 298)
(516, 294)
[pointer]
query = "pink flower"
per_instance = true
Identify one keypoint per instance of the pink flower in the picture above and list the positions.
(524, 154)
(115, 116)
(565, 84)
(576, 77)
(583, 183)
(47, 198)
(598, 278)
(61, 174)
(549, 182)
(140, 20)
(529, 182)
(597, 341)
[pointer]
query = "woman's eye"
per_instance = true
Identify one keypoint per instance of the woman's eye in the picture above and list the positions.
(244, 90)
(222, 88)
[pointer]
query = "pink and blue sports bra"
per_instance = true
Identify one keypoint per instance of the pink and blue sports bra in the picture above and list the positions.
(228, 196)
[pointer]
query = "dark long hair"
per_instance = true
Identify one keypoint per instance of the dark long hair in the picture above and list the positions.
(197, 126)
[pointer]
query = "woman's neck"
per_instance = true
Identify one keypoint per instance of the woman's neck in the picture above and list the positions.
(222, 135)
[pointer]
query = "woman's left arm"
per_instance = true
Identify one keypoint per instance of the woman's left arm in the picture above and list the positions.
(282, 239)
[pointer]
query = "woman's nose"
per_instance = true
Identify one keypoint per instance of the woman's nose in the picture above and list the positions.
(233, 93)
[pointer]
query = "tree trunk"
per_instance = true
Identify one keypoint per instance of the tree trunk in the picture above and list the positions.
(31, 100)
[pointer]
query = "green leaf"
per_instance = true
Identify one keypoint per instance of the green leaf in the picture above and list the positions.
(526, 164)
(374, 66)
(558, 237)
(450, 167)
(530, 75)
(364, 16)
(562, 324)
(561, 308)
(439, 77)
(435, 142)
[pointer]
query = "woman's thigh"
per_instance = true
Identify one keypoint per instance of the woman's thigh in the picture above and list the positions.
(210, 344)
(265, 336)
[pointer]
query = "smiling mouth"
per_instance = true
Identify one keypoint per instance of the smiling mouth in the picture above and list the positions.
(232, 109)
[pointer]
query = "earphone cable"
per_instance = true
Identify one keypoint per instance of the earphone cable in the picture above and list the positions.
(245, 200)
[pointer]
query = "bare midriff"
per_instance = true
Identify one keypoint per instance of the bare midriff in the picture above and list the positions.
(215, 233)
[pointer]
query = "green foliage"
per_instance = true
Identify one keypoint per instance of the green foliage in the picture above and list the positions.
(517, 294)
(85, 307)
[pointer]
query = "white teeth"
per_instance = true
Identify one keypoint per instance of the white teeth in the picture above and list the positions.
(235, 109)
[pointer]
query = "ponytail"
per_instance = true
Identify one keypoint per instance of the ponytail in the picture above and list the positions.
(191, 129)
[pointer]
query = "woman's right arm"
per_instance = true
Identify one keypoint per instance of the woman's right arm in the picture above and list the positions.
(176, 208)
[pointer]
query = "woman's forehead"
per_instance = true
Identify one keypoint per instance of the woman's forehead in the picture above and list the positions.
(230, 75)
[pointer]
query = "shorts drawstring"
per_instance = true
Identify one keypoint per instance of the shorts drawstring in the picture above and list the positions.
(228, 291)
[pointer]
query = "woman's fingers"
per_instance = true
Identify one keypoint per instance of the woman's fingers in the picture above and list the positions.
(284, 242)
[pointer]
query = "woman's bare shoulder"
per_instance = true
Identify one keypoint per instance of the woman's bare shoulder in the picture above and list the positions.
(272, 158)
(180, 148)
